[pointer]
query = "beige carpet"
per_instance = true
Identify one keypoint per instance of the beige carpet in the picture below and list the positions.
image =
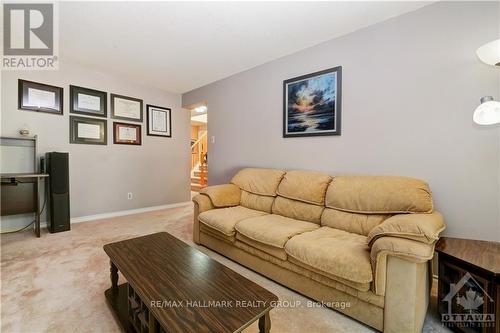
(56, 283)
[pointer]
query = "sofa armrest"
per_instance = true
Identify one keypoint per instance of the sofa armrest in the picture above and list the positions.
(202, 203)
(407, 249)
(211, 197)
(403, 248)
(424, 228)
(225, 195)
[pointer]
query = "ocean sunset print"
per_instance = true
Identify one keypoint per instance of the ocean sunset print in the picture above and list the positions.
(311, 105)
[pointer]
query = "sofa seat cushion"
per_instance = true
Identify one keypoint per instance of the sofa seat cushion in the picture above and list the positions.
(224, 219)
(273, 230)
(335, 253)
(216, 233)
(268, 249)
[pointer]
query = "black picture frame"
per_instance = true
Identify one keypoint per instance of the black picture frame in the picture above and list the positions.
(150, 119)
(118, 141)
(117, 116)
(75, 91)
(23, 87)
(320, 117)
(74, 136)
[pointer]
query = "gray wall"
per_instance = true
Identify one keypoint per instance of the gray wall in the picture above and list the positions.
(157, 173)
(410, 86)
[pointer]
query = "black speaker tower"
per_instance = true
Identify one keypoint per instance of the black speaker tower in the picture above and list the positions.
(57, 166)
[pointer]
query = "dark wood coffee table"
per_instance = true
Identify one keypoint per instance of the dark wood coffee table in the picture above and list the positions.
(172, 287)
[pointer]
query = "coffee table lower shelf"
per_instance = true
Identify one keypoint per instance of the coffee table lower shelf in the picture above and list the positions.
(118, 302)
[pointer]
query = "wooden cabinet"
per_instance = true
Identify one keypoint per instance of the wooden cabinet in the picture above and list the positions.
(468, 287)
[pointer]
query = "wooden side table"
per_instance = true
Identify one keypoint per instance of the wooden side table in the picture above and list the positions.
(469, 285)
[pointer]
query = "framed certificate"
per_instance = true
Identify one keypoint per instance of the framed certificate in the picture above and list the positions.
(39, 97)
(159, 122)
(126, 108)
(126, 134)
(87, 101)
(89, 131)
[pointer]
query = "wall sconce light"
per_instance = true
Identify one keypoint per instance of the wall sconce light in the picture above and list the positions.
(490, 53)
(488, 112)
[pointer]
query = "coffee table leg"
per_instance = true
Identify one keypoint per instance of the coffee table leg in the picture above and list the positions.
(265, 323)
(113, 276)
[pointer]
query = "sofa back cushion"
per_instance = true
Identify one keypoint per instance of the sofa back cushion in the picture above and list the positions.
(257, 202)
(298, 210)
(355, 223)
(379, 195)
(258, 181)
(305, 186)
(301, 195)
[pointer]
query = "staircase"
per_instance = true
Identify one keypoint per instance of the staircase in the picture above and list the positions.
(199, 178)
(199, 166)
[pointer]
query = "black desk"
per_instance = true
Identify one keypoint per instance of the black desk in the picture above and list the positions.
(21, 199)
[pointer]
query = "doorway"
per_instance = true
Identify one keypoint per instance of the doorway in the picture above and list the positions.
(199, 148)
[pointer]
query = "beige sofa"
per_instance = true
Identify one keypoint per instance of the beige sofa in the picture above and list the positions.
(361, 244)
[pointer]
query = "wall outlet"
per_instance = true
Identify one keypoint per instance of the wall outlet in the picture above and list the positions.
(129, 195)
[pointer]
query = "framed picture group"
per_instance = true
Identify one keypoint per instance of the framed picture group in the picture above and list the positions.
(89, 112)
(311, 107)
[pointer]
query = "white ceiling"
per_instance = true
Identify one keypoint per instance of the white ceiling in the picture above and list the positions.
(179, 46)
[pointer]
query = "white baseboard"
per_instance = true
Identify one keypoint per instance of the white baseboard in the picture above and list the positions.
(126, 212)
(15, 222)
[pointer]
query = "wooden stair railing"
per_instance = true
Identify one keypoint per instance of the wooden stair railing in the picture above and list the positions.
(203, 174)
(197, 149)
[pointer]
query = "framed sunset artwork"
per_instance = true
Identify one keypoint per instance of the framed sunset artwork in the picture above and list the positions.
(312, 104)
